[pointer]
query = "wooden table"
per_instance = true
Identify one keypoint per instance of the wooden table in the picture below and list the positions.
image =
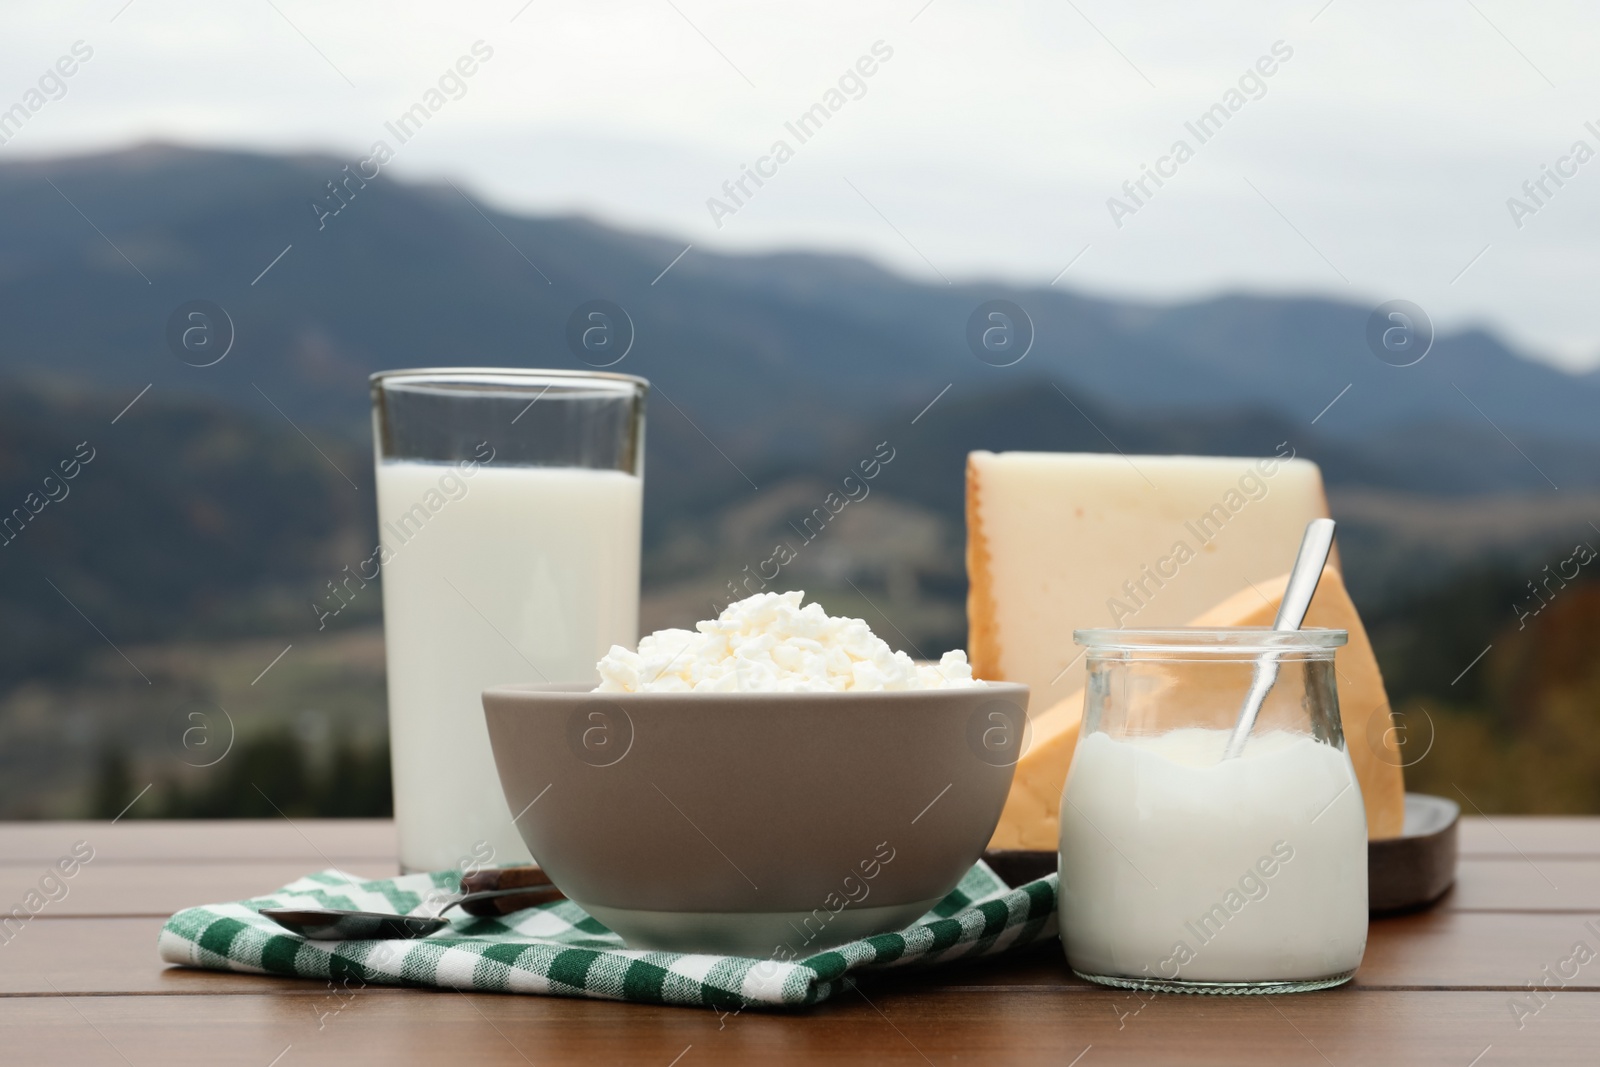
(81, 982)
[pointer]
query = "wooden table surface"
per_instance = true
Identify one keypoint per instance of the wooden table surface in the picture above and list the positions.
(81, 982)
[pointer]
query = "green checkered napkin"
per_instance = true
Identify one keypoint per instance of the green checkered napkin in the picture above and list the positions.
(559, 949)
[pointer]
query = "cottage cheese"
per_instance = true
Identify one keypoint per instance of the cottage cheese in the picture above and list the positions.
(769, 643)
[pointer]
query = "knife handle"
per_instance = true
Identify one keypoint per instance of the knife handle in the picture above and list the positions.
(539, 888)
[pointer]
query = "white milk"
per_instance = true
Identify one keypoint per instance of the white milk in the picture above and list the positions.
(1176, 865)
(523, 574)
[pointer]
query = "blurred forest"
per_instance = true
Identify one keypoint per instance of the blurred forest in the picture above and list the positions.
(237, 697)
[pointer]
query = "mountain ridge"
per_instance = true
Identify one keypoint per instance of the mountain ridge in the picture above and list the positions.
(773, 351)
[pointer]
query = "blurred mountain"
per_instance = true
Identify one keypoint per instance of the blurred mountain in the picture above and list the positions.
(234, 491)
(181, 518)
(1426, 460)
(186, 518)
(771, 355)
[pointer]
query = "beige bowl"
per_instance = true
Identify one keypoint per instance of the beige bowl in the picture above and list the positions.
(756, 824)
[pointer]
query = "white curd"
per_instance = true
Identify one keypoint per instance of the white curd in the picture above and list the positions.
(769, 643)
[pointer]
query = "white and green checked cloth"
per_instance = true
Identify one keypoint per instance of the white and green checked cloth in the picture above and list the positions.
(558, 949)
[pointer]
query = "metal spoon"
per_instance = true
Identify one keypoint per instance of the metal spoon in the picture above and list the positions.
(1303, 579)
(339, 924)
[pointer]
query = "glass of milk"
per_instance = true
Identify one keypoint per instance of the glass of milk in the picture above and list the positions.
(509, 511)
(1185, 872)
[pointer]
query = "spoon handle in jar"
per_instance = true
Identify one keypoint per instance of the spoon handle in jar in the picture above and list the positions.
(1306, 574)
(1303, 580)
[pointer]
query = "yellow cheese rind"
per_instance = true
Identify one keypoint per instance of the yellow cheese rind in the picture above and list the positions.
(983, 640)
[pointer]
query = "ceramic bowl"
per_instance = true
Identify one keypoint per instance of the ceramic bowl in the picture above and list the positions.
(756, 824)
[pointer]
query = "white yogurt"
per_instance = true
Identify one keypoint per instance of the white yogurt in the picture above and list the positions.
(1177, 865)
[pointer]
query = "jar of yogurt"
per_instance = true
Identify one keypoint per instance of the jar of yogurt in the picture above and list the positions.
(1182, 871)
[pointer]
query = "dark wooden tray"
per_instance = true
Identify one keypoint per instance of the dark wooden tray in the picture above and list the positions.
(1412, 871)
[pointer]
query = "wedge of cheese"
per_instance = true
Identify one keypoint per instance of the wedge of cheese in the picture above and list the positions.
(1030, 817)
(1060, 541)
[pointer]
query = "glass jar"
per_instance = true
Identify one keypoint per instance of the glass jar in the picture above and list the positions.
(1183, 871)
(509, 514)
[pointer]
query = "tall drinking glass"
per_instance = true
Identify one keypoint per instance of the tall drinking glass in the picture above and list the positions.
(509, 511)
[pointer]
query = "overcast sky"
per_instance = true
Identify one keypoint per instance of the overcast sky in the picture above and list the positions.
(1375, 162)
